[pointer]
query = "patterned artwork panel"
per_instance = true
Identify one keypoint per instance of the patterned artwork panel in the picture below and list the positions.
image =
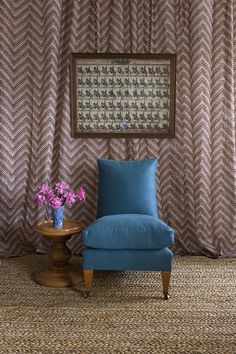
(124, 95)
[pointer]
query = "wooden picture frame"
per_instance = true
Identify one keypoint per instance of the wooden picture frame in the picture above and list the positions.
(123, 95)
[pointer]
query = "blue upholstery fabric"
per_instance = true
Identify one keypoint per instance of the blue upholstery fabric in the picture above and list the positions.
(146, 260)
(128, 231)
(127, 234)
(127, 187)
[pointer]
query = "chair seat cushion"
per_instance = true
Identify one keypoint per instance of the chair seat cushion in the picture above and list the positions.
(128, 231)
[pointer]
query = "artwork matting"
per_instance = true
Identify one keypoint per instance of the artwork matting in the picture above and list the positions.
(123, 95)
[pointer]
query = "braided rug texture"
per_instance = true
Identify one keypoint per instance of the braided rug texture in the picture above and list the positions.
(125, 314)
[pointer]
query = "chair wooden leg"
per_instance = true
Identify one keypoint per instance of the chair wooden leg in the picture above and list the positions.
(88, 279)
(165, 283)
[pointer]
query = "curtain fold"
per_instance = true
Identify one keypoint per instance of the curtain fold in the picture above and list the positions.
(197, 169)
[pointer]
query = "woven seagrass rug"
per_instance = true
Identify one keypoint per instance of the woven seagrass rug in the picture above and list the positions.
(125, 314)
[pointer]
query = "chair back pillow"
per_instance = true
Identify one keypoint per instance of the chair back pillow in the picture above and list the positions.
(127, 187)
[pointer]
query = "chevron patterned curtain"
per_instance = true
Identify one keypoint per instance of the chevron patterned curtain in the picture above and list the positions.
(197, 169)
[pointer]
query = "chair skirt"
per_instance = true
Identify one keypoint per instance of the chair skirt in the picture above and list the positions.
(140, 260)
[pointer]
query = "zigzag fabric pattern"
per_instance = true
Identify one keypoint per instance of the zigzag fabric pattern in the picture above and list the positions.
(197, 169)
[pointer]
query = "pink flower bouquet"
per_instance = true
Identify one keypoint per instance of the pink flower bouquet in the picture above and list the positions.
(58, 195)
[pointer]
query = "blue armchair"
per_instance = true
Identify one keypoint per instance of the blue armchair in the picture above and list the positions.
(127, 234)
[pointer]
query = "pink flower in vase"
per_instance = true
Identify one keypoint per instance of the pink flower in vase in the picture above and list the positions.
(81, 194)
(39, 199)
(49, 195)
(61, 187)
(55, 202)
(70, 197)
(58, 195)
(43, 189)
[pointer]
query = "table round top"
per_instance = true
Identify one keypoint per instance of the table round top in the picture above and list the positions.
(69, 227)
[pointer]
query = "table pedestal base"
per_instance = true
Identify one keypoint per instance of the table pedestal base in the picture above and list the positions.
(59, 278)
(59, 273)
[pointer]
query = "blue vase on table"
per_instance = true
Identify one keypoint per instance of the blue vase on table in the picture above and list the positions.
(57, 217)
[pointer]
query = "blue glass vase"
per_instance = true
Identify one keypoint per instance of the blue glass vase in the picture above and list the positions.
(57, 217)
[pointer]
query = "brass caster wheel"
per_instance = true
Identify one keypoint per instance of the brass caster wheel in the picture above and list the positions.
(166, 296)
(87, 294)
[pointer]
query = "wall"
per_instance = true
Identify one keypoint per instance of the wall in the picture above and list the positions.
(196, 173)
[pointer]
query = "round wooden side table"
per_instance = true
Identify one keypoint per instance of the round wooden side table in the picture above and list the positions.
(60, 273)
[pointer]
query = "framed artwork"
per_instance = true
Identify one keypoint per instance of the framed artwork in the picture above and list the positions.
(123, 95)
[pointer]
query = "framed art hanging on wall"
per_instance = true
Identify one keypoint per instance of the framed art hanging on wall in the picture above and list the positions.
(123, 95)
